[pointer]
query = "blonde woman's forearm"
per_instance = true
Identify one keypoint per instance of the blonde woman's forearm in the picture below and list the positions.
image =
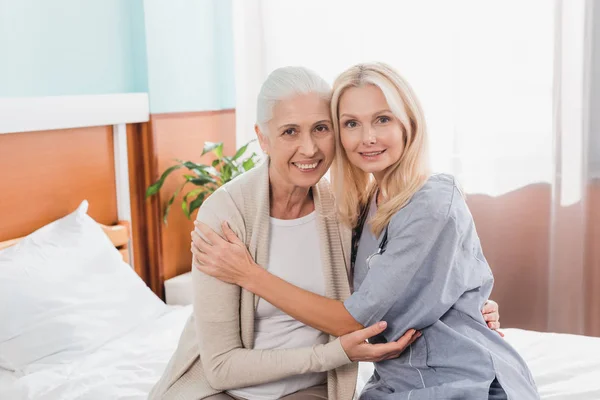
(322, 313)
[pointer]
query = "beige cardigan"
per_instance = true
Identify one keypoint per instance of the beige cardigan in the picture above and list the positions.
(215, 353)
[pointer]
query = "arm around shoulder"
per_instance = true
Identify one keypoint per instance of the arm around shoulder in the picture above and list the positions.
(227, 364)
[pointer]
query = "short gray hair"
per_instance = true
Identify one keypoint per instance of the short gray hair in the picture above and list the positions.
(286, 82)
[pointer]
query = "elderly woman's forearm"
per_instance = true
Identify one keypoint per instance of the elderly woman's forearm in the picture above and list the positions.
(241, 367)
(322, 313)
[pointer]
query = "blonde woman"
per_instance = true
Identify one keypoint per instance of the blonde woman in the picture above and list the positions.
(417, 258)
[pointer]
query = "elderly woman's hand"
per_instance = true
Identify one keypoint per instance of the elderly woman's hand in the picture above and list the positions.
(491, 315)
(225, 259)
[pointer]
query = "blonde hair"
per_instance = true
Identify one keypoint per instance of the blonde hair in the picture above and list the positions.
(352, 186)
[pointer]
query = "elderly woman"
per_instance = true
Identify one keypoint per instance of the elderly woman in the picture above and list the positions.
(283, 212)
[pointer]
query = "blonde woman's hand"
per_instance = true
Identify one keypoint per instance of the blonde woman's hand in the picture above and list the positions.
(491, 316)
(358, 349)
(225, 259)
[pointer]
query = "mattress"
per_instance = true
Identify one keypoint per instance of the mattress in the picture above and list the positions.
(565, 367)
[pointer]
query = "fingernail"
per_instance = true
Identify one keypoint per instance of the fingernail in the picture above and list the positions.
(382, 324)
(419, 334)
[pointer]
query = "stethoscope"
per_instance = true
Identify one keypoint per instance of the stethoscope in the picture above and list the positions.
(380, 250)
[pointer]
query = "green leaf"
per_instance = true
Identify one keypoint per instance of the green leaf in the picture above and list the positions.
(216, 162)
(242, 150)
(197, 168)
(218, 150)
(190, 165)
(166, 214)
(155, 187)
(202, 180)
(248, 164)
(186, 211)
(210, 146)
(211, 171)
(230, 164)
(197, 202)
(194, 192)
(226, 172)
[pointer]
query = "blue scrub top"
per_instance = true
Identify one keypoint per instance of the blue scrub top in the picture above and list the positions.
(433, 277)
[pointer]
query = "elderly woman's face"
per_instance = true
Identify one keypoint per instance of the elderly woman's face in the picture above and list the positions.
(300, 139)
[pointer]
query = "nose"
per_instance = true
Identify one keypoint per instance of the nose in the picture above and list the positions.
(368, 136)
(308, 146)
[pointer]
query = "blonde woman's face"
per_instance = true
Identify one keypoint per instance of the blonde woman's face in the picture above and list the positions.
(371, 135)
(300, 140)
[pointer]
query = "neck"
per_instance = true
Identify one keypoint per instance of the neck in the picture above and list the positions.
(379, 178)
(288, 201)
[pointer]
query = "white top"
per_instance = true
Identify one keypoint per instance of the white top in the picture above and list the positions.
(294, 255)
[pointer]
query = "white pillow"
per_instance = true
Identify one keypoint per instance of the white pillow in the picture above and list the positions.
(64, 291)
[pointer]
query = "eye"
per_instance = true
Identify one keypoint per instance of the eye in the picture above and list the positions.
(351, 124)
(384, 119)
(289, 131)
(322, 128)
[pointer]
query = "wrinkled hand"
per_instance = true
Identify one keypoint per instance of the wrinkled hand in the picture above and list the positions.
(491, 316)
(358, 349)
(225, 259)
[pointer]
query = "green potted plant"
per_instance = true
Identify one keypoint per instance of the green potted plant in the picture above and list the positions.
(206, 178)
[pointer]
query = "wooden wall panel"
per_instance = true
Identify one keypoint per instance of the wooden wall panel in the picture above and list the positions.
(137, 134)
(170, 136)
(593, 260)
(514, 233)
(45, 175)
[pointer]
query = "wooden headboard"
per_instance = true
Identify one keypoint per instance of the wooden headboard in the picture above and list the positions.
(57, 151)
(118, 234)
(49, 173)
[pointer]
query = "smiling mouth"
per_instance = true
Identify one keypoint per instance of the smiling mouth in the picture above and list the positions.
(371, 153)
(307, 167)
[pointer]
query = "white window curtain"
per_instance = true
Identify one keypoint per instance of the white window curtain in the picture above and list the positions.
(483, 72)
(508, 89)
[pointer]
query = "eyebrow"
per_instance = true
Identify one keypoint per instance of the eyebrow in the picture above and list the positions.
(378, 112)
(298, 126)
(289, 126)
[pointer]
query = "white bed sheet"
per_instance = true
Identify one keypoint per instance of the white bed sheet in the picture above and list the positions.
(565, 367)
(125, 368)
